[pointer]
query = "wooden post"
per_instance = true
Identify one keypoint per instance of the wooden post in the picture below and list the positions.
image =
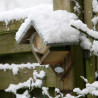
(78, 57)
(97, 57)
(78, 68)
(90, 63)
(61, 5)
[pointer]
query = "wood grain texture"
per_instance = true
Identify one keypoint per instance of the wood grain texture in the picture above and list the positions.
(77, 52)
(90, 63)
(7, 77)
(62, 5)
(51, 57)
(78, 58)
(97, 23)
(12, 26)
(8, 44)
(17, 58)
(78, 67)
(88, 13)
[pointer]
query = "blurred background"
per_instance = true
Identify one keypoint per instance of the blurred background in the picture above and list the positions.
(12, 4)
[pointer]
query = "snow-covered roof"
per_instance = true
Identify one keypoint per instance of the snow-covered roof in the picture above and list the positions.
(53, 27)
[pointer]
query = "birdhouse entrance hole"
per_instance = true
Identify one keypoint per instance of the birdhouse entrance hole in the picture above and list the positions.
(38, 44)
(64, 67)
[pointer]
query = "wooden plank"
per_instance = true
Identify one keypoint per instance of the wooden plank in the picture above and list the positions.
(97, 23)
(7, 77)
(53, 57)
(26, 35)
(17, 58)
(90, 63)
(78, 58)
(65, 79)
(88, 13)
(77, 52)
(68, 81)
(97, 56)
(61, 5)
(8, 44)
(78, 67)
(10, 27)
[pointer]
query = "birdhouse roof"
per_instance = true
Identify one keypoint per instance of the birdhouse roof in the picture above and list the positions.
(54, 27)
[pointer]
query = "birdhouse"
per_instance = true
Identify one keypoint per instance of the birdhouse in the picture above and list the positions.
(50, 44)
(44, 53)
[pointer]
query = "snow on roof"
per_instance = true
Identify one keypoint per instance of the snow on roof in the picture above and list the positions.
(20, 13)
(52, 26)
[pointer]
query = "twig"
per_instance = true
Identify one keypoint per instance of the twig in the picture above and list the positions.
(84, 32)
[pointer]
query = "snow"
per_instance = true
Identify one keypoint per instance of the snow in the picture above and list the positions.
(35, 10)
(36, 82)
(58, 92)
(94, 48)
(85, 80)
(6, 5)
(95, 10)
(55, 29)
(85, 42)
(15, 67)
(13, 88)
(52, 28)
(15, 70)
(95, 21)
(45, 91)
(69, 96)
(76, 7)
(20, 13)
(96, 75)
(40, 75)
(24, 95)
(80, 25)
(29, 83)
(90, 89)
(95, 5)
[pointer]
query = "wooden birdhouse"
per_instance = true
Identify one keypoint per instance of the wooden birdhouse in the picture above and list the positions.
(45, 53)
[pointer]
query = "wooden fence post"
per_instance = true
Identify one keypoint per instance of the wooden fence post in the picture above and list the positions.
(78, 57)
(78, 68)
(90, 63)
